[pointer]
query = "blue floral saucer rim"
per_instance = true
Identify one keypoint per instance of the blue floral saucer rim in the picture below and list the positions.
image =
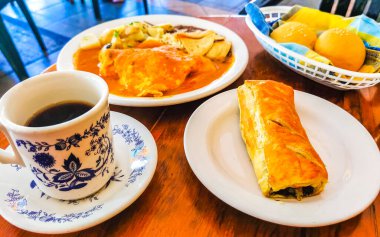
(25, 206)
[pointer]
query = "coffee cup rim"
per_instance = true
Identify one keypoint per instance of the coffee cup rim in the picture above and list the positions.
(103, 100)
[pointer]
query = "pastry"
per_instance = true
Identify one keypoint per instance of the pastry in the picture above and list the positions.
(285, 163)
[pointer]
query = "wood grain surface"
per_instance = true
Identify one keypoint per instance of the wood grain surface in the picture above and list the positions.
(177, 204)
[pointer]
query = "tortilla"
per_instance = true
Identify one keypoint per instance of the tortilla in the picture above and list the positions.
(219, 50)
(198, 47)
(194, 34)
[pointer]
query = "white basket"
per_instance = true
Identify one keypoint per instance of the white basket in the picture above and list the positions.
(322, 73)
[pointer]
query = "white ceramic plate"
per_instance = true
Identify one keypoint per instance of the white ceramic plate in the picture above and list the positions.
(240, 51)
(25, 206)
(218, 157)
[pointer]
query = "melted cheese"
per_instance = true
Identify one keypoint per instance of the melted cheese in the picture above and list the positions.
(202, 73)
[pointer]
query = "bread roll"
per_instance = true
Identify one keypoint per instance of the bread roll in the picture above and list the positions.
(295, 32)
(345, 49)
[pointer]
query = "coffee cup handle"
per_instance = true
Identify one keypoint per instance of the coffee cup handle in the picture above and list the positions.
(7, 157)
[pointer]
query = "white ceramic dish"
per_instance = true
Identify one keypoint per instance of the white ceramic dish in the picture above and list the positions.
(25, 206)
(240, 51)
(218, 157)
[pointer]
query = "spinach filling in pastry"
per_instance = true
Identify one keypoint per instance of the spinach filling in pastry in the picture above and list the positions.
(285, 163)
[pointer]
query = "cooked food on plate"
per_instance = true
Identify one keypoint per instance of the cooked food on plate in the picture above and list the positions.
(152, 71)
(140, 59)
(285, 163)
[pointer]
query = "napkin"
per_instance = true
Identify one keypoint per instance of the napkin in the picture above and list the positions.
(366, 28)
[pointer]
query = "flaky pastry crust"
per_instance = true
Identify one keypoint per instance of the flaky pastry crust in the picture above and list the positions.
(285, 163)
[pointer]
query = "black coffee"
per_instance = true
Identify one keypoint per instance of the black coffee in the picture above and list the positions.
(58, 113)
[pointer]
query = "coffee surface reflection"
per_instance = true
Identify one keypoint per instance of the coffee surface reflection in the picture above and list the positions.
(58, 113)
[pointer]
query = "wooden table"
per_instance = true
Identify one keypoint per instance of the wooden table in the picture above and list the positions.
(177, 204)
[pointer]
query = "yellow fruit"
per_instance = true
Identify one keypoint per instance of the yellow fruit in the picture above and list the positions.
(344, 48)
(295, 32)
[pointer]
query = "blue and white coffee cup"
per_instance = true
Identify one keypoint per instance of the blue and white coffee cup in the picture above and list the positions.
(70, 160)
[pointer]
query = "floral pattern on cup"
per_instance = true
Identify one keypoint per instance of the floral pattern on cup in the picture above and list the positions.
(19, 203)
(140, 156)
(67, 143)
(73, 175)
(116, 177)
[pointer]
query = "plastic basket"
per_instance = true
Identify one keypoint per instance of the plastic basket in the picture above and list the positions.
(322, 73)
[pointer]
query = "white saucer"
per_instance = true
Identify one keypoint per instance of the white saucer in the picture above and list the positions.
(25, 206)
(218, 156)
